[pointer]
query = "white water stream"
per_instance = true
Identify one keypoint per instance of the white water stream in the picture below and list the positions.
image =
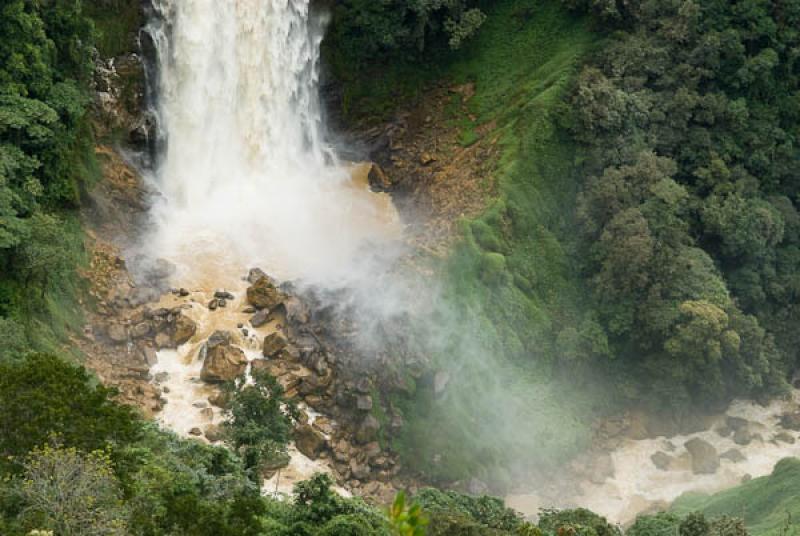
(247, 173)
(247, 179)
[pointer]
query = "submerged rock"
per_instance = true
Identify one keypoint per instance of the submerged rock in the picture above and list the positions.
(223, 361)
(742, 436)
(784, 437)
(705, 459)
(662, 460)
(733, 455)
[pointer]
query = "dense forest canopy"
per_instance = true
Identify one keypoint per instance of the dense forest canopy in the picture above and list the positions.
(689, 119)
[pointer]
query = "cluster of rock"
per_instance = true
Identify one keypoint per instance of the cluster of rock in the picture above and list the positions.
(138, 337)
(703, 458)
(347, 432)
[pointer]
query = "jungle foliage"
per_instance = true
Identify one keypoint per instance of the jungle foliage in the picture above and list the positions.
(689, 123)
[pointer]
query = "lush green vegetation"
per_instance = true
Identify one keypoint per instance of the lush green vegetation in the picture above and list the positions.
(97, 469)
(45, 159)
(515, 278)
(689, 124)
(259, 421)
(768, 505)
(645, 228)
(76, 463)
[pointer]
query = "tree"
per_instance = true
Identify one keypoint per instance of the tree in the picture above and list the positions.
(46, 253)
(71, 493)
(42, 396)
(258, 428)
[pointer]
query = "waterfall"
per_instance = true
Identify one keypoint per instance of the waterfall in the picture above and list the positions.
(246, 172)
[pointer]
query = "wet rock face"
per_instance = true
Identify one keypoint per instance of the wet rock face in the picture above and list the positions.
(223, 361)
(119, 100)
(378, 180)
(263, 294)
(705, 458)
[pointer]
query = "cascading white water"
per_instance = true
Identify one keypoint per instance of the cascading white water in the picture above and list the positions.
(246, 179)
(246, 173)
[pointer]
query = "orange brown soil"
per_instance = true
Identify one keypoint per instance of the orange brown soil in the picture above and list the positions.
(441, 180)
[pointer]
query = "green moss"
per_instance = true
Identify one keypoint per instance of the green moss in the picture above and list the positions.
(768, 504)
(116, 24)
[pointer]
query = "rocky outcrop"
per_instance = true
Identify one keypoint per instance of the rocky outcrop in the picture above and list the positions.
(119, 101)
(221, 360)
(705, 458)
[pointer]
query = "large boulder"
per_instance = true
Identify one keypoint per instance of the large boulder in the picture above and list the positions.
(359, 471)
(213, 432)
(185, 328)
(223, 361)
(309, 441)
(705, 458)
(255, 274)
(273, 344)
(117, 333)
(263, 294)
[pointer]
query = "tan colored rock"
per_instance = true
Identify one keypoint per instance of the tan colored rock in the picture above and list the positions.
(273, 344)
(185, 328)
(223, 361)
(213, 432)
(263, 294)
(163, 340)
(378, 179)
(309, 441)
(117, 333)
